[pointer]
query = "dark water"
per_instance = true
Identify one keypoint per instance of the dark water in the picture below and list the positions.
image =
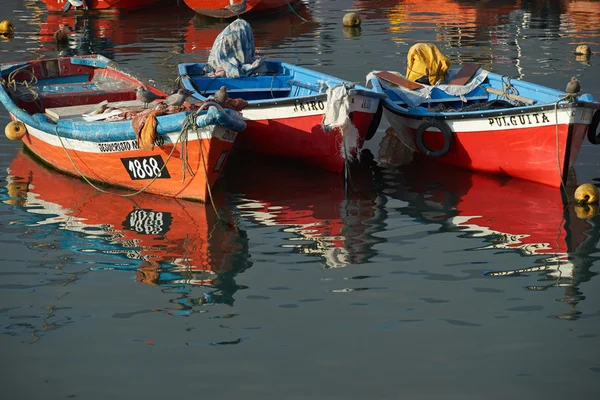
(420, 283)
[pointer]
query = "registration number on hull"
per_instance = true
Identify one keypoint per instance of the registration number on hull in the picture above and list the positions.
(146, 167)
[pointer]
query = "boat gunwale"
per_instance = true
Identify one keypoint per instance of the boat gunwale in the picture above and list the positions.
(392, 106)
(80, 129)
(355, 90)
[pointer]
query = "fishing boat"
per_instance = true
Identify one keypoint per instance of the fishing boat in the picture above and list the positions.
(477, 119)
(113, 6)
(292, 112)
(81, 116)
(235, 8)
(158, 240)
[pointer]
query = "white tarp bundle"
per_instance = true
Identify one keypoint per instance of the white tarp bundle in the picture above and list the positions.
(337, 115)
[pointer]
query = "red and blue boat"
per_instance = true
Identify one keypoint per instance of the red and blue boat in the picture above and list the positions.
(292, 112)
(484, 121)
(54, 105)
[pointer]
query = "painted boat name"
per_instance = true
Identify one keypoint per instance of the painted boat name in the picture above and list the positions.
(516, 120)
(126, 145)
(309, 106)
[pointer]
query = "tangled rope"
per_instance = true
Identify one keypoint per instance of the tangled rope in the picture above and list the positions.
(188, 123)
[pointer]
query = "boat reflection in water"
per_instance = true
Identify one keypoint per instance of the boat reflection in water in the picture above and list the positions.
(326, 218)
(508, 215)
(114, 34)
(176, 245)
(201, 31)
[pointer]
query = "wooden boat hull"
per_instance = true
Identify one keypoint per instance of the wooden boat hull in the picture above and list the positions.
(122, 163)
(216, 8)
(531, 146)
(290, 132)
(285, 113)
(102, 5)
(181, 163)
(535, 135)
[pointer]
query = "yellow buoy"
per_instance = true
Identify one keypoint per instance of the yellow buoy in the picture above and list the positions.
(351, 19)
(15, 130)
(6, 27)
(586, 194)
(587, 211)
(583, 50)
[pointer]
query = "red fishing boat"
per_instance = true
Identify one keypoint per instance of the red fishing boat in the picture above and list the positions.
(97, 5)
(81, 115)
(480, 120)
(292, 112)
(176, 241)
(227, 8)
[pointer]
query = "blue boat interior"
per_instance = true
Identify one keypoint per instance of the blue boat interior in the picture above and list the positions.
(495, 92)
(278, 80)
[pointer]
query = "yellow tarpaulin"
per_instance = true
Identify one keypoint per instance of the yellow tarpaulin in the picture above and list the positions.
(424, 59)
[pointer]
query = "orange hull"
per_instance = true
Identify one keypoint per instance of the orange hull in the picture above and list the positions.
(109, 168)
(162, 158)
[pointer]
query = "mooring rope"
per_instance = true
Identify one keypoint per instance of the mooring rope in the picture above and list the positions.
(294, 11)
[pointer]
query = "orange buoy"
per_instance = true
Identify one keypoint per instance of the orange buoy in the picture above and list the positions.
(15, 130)
(586, 194)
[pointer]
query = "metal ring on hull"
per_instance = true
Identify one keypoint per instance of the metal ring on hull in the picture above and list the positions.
(592, 134)
(442, 127)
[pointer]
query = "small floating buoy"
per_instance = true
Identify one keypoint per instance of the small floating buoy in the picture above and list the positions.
(587, 211)
(351, 20)
(7, 27)
(586, 194)
(15, 130)
(583, 50)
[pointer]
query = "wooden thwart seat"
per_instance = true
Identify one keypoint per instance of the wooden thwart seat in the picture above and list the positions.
(465, 74)
(398, 80)
(57, 113)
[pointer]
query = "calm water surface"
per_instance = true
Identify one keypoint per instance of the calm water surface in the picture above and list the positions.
(422, 282)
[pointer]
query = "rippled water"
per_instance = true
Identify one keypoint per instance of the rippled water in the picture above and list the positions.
(420, 282)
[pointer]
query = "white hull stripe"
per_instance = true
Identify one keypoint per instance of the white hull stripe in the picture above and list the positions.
(131, 144)
(502, 122)
(306, 108)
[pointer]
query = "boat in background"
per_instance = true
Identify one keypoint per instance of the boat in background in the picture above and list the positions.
(292, 112)
(81, 115)
(165, 242)
(488, 122)
(221, 8)
(111, 6)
